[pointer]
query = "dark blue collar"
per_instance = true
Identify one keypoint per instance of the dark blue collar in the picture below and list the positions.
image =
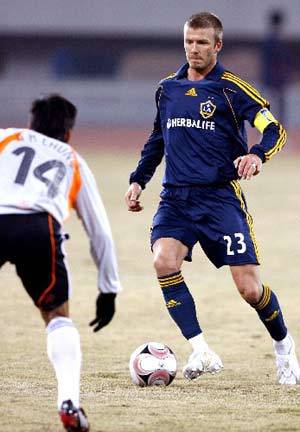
(214, 75)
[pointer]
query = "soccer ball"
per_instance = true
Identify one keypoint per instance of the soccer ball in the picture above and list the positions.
(152, 364)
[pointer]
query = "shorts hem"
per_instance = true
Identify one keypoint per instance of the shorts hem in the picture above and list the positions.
(237, 264)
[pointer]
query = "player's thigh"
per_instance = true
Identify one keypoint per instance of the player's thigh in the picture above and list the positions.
(228, 236)
(7, 229)
(169, 249)
(40, 262)
(171, 230)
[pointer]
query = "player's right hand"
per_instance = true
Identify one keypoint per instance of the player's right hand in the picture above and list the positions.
(132, 198)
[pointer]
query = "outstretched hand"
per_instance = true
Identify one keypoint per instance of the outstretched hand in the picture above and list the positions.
(132, 197)
(248, 166)
(105, 309)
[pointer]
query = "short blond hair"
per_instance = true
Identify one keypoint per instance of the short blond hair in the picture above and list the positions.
(206, 20)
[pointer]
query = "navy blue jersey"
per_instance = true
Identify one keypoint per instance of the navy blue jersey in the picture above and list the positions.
(199, 128)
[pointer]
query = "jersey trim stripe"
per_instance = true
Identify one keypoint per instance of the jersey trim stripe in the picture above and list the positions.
(248, 85)
(53, 261)
(279, 143)
(238, 192)
(76, 181)
(231, 108)
(247, 88)
(10, 138)
(172, 75)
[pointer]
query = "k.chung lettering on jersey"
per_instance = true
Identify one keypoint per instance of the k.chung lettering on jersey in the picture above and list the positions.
(64, 150)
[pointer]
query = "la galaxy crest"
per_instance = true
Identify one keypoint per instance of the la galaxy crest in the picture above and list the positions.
(207, 109)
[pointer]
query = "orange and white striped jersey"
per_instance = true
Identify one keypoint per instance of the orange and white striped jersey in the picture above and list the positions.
(42, 174)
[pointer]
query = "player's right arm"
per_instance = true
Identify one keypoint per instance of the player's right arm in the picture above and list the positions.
(151, 155)
(132, 197)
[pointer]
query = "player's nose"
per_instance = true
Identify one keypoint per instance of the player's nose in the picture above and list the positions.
(194, 47)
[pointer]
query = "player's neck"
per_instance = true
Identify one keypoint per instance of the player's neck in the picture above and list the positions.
(199, 74)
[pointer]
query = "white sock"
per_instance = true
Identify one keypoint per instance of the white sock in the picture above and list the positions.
(63, 348)
(198, 343)
(284, 346)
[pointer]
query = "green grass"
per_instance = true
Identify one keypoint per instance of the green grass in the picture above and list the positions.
(244, 397)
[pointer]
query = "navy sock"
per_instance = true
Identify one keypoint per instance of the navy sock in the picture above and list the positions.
(269, 312)
(180, 304)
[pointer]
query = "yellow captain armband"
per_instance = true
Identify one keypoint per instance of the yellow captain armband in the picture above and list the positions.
(263, 118)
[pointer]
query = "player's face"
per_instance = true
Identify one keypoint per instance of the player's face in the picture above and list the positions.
(201, 48)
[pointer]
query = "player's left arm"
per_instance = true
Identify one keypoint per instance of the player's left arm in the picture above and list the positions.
(255, 109)
(273, 135)
(273, 139)
(91, 211)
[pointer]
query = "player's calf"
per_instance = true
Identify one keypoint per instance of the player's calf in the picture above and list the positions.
(180, 304)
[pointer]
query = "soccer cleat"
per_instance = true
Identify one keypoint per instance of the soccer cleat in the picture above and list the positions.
(201, 362)
(73, 419)
(288, 370)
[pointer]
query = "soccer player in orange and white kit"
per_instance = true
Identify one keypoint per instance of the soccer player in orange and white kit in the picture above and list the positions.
(42, 178)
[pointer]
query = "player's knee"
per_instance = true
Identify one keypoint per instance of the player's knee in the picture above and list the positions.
(251, 294)
(248, 283)
(249, 289)
(164, 264)
(60, 311)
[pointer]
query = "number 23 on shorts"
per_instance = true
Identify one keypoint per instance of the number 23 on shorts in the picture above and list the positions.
(239, 240)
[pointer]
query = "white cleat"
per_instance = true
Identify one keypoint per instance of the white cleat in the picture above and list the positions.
(288, 370)
(201, 362)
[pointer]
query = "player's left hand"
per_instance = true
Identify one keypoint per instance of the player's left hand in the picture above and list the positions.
(248, 166)
(105, 309)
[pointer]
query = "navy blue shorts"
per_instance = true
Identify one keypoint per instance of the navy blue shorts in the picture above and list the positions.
(216, 217)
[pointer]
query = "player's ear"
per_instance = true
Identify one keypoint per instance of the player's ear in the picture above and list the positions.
(218, 46)
(68, 135)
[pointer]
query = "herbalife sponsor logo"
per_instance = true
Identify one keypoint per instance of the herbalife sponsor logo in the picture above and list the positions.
(190, 123)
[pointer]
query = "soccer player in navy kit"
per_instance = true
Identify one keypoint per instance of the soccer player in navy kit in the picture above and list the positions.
(199, 129)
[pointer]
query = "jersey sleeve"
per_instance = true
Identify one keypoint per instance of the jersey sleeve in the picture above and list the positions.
(255, 109)
(251, 106)
(152, 152)
(91, 211)
(273, 135)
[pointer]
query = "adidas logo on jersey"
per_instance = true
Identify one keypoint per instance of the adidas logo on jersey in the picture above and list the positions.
(191, 92)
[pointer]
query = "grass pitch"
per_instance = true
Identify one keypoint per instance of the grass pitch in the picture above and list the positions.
(244, 397)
